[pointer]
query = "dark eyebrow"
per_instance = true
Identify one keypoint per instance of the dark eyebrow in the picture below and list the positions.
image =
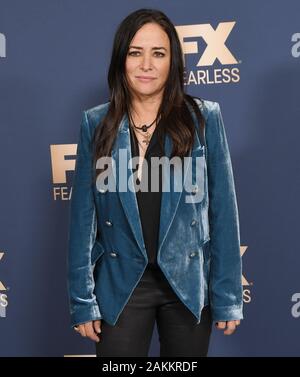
(153, 48)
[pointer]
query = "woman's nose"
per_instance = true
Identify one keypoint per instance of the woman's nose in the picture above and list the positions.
(146, 62)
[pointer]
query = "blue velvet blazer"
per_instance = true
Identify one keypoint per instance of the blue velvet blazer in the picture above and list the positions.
(199, 243)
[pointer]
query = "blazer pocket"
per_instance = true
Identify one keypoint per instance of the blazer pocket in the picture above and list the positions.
(97, 252)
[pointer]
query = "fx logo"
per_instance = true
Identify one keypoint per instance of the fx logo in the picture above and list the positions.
(2, 46)
(243, 250)
(60, 165)
(215, 40)
(2, 287)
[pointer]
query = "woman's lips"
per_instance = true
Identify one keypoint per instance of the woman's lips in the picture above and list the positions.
(145, 79)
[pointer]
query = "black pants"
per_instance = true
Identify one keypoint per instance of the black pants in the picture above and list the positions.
(154, 299)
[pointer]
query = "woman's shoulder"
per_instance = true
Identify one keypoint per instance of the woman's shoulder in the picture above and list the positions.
(95, 113)
(207, 107)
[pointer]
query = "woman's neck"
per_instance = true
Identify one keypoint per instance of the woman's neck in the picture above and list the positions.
(144, 110)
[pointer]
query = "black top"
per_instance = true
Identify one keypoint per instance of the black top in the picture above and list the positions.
(149, 202)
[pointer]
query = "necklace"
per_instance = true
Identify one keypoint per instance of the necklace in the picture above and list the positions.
(144, 128)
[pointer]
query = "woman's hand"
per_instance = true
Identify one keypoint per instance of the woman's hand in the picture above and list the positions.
(90, 329)
(229, 325)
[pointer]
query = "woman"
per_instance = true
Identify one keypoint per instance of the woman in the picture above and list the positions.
(138, 254)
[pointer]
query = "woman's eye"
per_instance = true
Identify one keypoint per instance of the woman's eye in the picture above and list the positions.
(134, 53)
(160, 54)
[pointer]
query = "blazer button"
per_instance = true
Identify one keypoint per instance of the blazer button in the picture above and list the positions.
(113, 254)
(195, 189)
(108, 223)
(193, 254)
(194, 222)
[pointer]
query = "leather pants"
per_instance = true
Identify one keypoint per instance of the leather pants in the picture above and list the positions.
(153, 299)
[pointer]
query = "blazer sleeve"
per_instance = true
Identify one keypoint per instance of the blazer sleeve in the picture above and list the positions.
(225, 282)
(82, 234)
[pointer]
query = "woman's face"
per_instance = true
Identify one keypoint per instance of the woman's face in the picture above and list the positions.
(148, 60)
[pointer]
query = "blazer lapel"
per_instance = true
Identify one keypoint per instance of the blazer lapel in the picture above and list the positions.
(121, 156)
(171, 198)
(172, 185)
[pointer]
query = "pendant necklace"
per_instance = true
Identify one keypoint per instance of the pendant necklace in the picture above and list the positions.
(144, 128)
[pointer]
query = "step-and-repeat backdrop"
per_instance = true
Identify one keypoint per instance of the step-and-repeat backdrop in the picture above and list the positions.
(54, 58)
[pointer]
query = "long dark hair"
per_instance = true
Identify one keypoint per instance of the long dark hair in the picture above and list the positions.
(176, 119)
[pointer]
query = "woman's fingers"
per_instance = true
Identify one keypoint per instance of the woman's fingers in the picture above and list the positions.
(221, 325)
(90, 330)
(228, 326)
(81, 330)
(97, 326)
